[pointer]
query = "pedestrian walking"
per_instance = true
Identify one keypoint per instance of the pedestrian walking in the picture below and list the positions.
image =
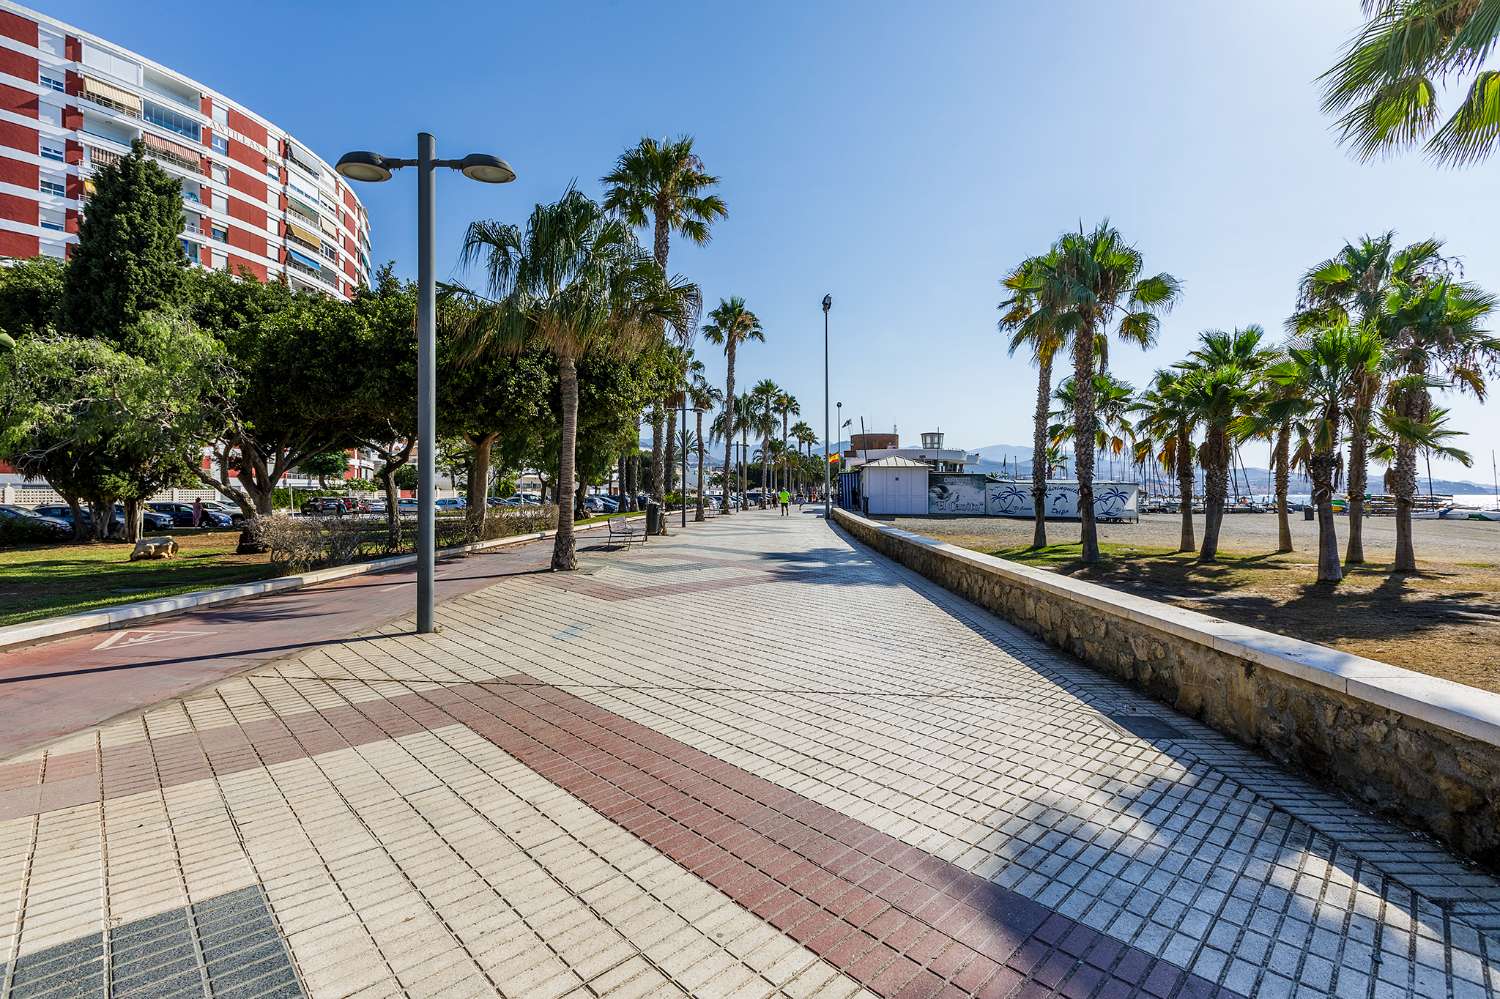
(198, 512)
(785, 498)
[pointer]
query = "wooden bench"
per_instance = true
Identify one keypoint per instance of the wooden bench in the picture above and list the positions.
(622, 528)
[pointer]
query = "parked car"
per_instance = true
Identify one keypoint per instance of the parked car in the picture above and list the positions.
(452, 504)
(64, 513)
(324, 506)
(26, 523)
(182, 514)
(599, 504)
(151, 520)
(235, 515)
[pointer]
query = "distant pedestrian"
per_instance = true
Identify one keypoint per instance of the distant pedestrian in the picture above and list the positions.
(785, 498)
(198, 512)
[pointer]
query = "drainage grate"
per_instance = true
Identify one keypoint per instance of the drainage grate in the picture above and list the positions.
(238, 950)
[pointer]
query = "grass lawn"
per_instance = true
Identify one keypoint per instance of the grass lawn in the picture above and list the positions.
(43, 581)
(1444, 621)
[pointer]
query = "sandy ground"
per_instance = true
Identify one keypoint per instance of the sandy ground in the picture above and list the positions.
(1444, 621)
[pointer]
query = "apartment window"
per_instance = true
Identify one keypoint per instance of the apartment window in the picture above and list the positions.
(50, 42)
(221, 114)
(271, 170)
(49, 185)
(217, 260)
(218, 232)
(50, 114)
(58, 251)
(171, 121)
(52, 82)
(219, 202)
(221, 144)
(219, 172)
(55, 219)
(51, 151)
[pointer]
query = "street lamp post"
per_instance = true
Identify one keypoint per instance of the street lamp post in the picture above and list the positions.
(374, 168)
(827, 469)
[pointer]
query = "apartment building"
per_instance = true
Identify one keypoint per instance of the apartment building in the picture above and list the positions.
(253, 196)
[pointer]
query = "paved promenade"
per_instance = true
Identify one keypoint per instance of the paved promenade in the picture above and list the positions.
(751, 759)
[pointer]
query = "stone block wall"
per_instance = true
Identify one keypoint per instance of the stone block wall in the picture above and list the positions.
(1434, 763)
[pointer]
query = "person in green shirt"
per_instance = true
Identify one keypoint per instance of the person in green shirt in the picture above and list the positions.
(785, 499)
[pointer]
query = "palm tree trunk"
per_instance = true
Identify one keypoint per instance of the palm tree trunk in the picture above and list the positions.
(698, 516)
(1184, 464)
(729, 414)
(564, 555)
(658, 477)
(1358, 455)
(1039, 449)
(1215, 486)
(633, 477)
(1329, 570)
(765, 468)
(1414, 404)
(1283, 479)
(1083, 440)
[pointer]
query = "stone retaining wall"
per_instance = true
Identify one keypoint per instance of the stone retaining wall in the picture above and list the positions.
(1418, 747)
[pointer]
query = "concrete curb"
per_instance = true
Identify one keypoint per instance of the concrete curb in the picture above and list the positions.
(124, 615)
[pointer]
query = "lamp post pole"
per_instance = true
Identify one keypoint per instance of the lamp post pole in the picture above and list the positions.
(375, 168)
(827, 440)
(426, 384)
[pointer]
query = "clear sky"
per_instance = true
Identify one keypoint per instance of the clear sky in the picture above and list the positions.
(900, 157)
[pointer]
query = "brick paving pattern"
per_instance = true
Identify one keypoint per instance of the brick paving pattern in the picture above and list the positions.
(750, 759)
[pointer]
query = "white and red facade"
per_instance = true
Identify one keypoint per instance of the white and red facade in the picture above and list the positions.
(253, 196)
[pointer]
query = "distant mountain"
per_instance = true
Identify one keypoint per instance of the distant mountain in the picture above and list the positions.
(1005, 453)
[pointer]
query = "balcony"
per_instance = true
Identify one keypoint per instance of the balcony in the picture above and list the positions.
(171, 121)
(175, 153)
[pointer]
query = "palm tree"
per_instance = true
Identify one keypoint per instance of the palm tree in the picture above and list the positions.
(1113, 399)
(1167, 416)
(1432, 340)
(1385, 86)
(731, 324)
(745, 422)
(683, 368)
(662, 183)
(1094, 279)
(806, 437)
(787, 406)
(576, 280)
(1324, 374)
(1355, 286)
(764, 423)
(1220, 382)
(704, 397)
(1035, 323)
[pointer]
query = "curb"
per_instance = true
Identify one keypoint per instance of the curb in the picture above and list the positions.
(123, 615)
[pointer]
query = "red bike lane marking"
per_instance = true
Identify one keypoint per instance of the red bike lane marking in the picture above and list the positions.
(60, 687)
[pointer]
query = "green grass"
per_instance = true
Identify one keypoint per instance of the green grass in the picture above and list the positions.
(43, 581)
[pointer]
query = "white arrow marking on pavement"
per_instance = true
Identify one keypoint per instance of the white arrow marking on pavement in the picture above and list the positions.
(131, 636)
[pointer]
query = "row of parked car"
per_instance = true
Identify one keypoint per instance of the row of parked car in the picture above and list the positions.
(55, 520)
(343, 506)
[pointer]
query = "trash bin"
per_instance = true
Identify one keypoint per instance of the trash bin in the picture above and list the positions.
(653, 518)
(1307, 513)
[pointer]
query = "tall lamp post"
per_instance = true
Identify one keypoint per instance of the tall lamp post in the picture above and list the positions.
(374, 168)
(827, 469)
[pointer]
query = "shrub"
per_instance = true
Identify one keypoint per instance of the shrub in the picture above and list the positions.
(509, 521)
(307, 542)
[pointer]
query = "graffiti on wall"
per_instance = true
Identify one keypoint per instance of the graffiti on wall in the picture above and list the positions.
(1112, 500)
(955, 493)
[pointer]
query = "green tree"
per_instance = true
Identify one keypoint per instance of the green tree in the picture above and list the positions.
(1323, 375)
(291, 355)
(1355, 286)
(1384, 87)
(31, 293)
(763, 422)
(576, 280)
(323, 465)
(129, 259)
(731, 324)
(1221, 377)
(662, 183)
(1041, 326)
(1095, 281)
(704, 398)
(1168, 417)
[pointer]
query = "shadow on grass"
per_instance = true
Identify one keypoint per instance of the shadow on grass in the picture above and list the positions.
(1277, 592)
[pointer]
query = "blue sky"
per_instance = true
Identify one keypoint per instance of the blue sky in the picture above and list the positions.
(901, 158)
